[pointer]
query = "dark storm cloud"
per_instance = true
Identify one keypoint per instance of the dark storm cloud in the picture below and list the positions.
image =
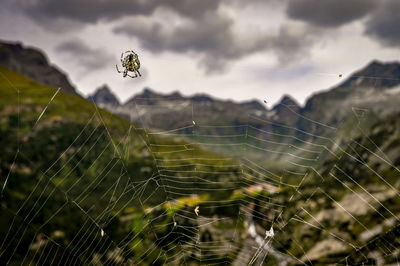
(91, 11)
(384, 23)
(212, 36)
(202, 36)
(329, 13)
(206, 32)
(290, 47)
(89, 58)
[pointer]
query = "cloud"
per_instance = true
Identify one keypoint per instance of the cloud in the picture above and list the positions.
(292, 44)
(91, 11)
(383, 24)
(205, 29)
(210, 36)
(214, 39)
(329, 13)
(89, 58)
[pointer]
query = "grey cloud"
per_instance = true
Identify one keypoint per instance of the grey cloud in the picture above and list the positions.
(208, 33)
(89, 58)
(291, 47)
(212, 37)
(383, 24)
(329, 13)
(91, 11)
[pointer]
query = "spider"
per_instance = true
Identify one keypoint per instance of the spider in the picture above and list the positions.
(130, 63)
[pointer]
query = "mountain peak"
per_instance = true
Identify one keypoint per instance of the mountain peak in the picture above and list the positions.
(375, 74)
(147, 93)
(287, 101)
(147, 96)
(254, 105)
(285, 108)
(380, 69)
(201, 97)
(103, 95)
(151, 96)
(104, 89)
(175, 95)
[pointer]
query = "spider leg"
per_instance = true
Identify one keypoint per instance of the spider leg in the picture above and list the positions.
(117, 69)
(137, 70)
(133, 76)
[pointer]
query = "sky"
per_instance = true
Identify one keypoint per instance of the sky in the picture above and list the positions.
(230, 49)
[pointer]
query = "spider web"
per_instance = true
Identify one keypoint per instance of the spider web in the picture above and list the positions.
(139, 205)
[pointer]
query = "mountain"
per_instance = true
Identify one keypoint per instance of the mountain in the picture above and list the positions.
(374, 88)
(165, 111)
(33, 63)
(372, 91)
(284, 109)
(104, 97)
(376, 74)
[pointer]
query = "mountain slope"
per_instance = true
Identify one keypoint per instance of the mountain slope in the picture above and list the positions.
(33, 63)
(375, 87)
(376, 74)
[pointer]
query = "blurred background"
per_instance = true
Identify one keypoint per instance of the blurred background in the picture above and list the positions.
(260, 133)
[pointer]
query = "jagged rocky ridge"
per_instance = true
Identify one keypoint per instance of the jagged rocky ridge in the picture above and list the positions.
(373, 91)
(375, 87)
(146, 107)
